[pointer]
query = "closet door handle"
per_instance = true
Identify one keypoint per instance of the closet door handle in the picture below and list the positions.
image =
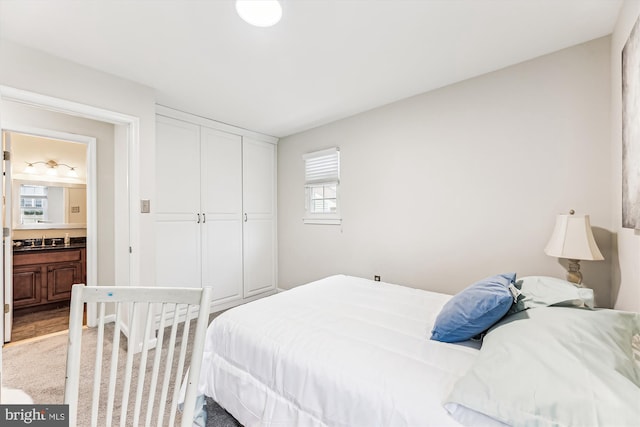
(198, 219)
(204, 218)
(245, 217)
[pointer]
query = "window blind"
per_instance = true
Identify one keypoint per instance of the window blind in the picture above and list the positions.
(322, 167)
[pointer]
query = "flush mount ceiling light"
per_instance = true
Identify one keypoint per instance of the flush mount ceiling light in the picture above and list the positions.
(261, 13)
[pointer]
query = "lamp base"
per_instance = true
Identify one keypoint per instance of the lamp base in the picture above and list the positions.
(573, 274)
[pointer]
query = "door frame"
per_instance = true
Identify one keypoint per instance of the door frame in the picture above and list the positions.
(6, 328)
(131, 155)
(92, 216)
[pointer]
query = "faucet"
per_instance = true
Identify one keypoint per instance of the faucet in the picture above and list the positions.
(43, 237)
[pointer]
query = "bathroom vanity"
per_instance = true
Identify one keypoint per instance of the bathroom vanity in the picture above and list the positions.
(44, 274)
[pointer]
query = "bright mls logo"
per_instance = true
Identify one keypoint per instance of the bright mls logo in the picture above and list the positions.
(34, 415)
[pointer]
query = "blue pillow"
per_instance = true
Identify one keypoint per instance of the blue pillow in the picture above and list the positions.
(475, 309)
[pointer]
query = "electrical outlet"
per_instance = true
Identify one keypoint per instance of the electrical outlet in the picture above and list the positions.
(376, 278)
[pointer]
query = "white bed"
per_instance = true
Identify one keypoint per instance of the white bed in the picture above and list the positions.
(342, 351)
(345, 351)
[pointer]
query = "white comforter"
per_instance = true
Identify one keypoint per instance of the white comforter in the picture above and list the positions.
(342, 351)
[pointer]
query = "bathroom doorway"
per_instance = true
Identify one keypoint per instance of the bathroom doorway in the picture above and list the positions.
(49, 207)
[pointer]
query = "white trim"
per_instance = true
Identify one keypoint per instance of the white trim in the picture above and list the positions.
(64, 106)
(163, 110)
(275, 216)
(7, 257)
(133, 142)
(46, 133)
(322, 221)
(279, 289)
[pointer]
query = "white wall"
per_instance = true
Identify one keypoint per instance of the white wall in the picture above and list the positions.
(22, 115)
(448, 187)
(34, 71)
(625, 293)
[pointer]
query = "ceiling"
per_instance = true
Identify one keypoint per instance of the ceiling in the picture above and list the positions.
(326, 59)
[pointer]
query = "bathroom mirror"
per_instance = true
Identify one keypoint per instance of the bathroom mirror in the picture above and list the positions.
(46, 205)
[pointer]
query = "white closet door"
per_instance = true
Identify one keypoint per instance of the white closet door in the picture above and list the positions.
(177, 205)
(221, 166)
(259, 163)
(177, 253)
(259, 239)
(222, 258)
(177, 167)
(259, 262)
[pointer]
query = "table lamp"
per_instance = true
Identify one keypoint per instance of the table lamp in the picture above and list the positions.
(572, 239)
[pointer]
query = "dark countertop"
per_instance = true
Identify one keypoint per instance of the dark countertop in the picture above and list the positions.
(25, 245)
(48, 248)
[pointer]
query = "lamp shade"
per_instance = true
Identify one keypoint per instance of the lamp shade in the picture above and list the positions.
(572, 238)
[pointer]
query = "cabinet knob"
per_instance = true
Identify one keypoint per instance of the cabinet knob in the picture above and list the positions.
(198, 219)
(245, 217)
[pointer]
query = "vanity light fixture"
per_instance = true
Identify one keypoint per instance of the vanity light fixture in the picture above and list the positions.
(261, 13)
(52, 168)
(30, 168)
(72, 172)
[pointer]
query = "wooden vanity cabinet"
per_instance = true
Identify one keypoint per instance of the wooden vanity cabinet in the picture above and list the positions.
(46, 276)
(27, 285)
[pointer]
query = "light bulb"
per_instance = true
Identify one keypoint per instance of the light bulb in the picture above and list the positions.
(52, 171)
(72, 173)
(30, 168)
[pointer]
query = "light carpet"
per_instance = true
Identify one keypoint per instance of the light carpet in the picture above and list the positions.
(38, 367)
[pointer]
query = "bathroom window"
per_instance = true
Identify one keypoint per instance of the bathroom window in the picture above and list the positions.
(33, 204)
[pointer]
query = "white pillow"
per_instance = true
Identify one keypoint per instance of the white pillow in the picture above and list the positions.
(543, 291)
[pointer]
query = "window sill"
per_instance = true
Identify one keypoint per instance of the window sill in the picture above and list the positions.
(322, 221)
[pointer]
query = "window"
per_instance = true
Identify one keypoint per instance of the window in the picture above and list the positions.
(322, 179)
(323, 198)
(33, 204)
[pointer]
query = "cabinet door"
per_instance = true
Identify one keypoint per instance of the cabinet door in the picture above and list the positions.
(259, 256)
(221, 191)
(221, 172)
(178, 253)
(27, 286)
(177, 212)
(60, 278)
(177, 167)
(259, 177)
(222, 258)
(259, 232)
